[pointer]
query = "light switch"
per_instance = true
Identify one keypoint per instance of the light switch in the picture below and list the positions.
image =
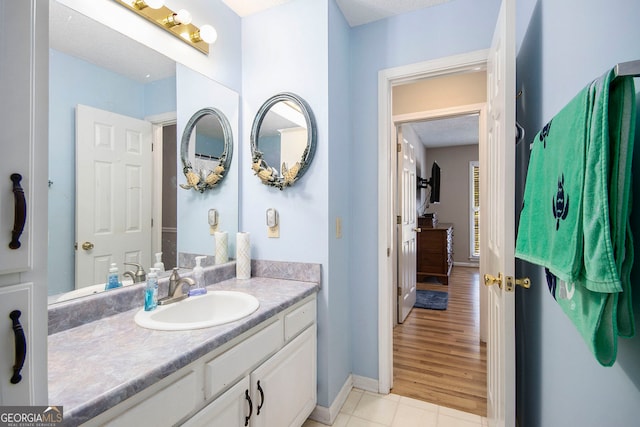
(338, 227)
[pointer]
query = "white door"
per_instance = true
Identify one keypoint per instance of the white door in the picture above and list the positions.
(24, 73)
(497, 224)
(113, 193)
(408, 227)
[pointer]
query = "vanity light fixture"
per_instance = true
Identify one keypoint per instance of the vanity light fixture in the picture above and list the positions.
(181, 17)
(177, 23)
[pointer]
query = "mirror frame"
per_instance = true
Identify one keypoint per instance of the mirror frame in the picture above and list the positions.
(267, 174)
(195, 179)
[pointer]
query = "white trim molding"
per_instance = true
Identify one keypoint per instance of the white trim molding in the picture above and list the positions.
(328, 415)
(468, 62)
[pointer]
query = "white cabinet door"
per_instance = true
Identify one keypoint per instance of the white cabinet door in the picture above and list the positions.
(283, 389)
(24, 73)
(233, 408)
(15, 387)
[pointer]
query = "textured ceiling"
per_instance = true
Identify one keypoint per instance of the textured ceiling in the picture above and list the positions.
(111, 50)
(447, 132)
(357, 12)
(75, 34)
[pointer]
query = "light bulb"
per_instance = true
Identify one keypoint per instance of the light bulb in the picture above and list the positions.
(183, 17)
(208, 34)
(154, 4)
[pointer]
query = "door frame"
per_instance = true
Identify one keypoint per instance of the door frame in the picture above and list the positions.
(479, 108)
(387, 177)
(158, 121)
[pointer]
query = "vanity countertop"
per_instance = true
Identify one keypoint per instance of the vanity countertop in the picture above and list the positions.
(95, 366)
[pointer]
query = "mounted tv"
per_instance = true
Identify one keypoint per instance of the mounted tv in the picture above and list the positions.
(434, 183)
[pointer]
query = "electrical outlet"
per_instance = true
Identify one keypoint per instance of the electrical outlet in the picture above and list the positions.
(273, 223)
(212, 218)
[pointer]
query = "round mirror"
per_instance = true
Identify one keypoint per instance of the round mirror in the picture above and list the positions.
(206, 149)
(283, 140)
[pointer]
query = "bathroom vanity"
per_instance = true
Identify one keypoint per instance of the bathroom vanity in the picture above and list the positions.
(256, 371)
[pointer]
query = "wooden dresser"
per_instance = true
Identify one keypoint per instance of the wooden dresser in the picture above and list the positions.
(435, 250)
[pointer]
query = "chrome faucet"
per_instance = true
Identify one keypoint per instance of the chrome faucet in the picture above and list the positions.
(138, 276)
(175, 288)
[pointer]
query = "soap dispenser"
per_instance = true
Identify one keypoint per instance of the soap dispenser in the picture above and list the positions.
(159, 264)
(113, 281)
(198, 277)
(151, 291)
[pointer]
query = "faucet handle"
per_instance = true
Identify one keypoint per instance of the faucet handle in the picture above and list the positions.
(140, 273)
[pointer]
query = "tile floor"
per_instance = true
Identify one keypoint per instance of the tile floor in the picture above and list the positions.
(365, 409)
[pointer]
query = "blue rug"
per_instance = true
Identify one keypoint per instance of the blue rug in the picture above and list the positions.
(433, 300)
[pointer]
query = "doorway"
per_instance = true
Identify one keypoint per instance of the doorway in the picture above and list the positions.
(437, 354)
(164, 218)
(467, 63)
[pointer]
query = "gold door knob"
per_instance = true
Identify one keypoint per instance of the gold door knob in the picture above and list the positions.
(87, 246)
(493, 280)
(417, 229)
(509, 282)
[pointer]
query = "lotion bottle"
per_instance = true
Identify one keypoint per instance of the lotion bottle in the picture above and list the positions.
(198, 277)
(159, 264)
(151, 291)
(113, 281)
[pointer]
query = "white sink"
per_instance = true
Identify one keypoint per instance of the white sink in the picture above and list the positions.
(200, 311)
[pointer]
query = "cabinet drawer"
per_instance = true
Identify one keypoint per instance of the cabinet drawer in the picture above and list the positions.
(227, 368)
(299, 319)
(166, 407)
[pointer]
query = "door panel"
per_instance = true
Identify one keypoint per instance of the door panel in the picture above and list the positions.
(497, 226)
(113, 193)
(408, 228)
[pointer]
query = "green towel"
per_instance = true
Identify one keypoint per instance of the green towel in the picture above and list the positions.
(550, 228)
(588, 146)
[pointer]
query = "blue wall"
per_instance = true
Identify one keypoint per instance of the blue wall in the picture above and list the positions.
(194, 92)
(284, 49)
(340, 161)
(448, 29)
(565, 45)
(72, 82)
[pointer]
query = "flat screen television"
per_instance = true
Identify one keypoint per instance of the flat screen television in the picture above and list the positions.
(434, 183)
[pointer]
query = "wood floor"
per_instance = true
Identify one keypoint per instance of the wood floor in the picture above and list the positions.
(437, 354)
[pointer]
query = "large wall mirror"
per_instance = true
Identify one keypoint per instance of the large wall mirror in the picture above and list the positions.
(92, 65)
(283, 140)
(206, 149)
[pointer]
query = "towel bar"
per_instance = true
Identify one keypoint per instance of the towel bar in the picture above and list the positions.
(631, 68)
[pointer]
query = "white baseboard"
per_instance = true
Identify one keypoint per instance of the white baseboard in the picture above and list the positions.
(328, 415)
(366, 384)
(466, 264)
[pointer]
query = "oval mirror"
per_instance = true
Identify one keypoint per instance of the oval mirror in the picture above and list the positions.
(283, 140)
(206, 149)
